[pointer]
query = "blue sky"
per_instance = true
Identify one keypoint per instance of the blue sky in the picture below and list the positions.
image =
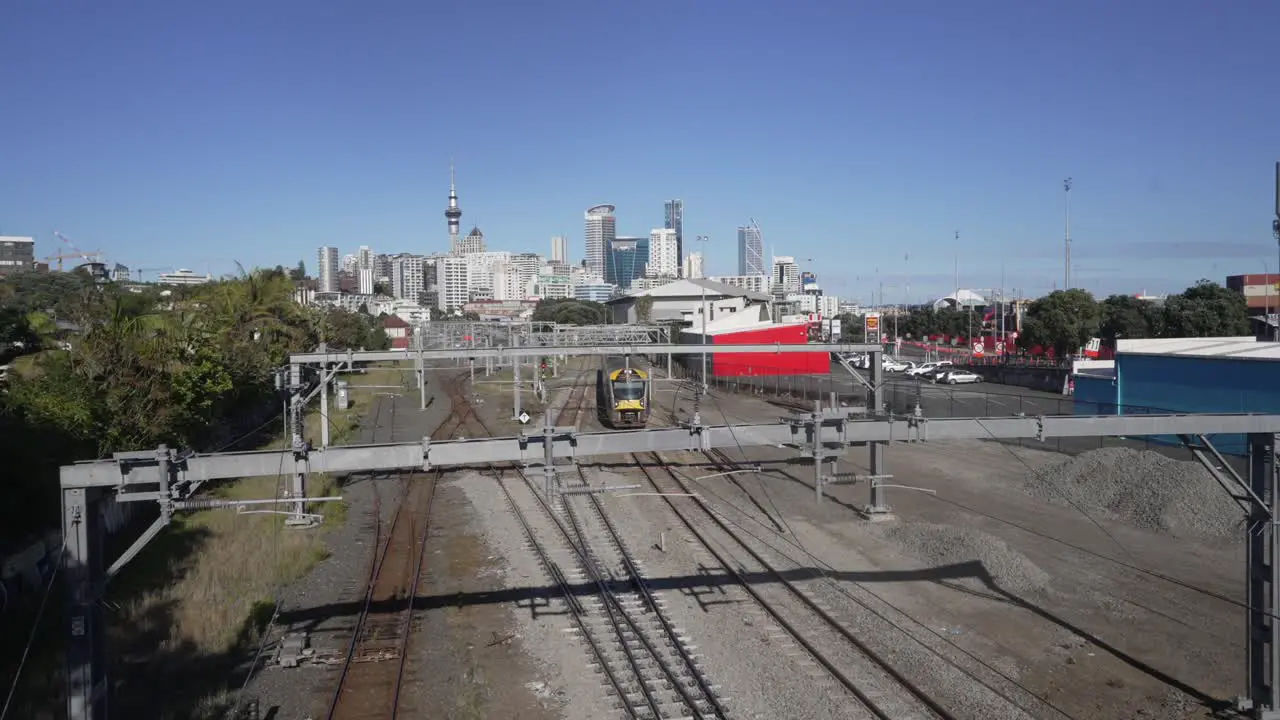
(859, 134)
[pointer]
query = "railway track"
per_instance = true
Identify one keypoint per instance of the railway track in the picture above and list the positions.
(649, 667)
(372, 672)
(879, 690)
(922, 649)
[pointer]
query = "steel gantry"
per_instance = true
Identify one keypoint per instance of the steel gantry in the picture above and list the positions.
(518, 354)
(446, 334)
(168, 478)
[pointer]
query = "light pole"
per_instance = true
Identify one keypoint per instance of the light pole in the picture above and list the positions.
(1266, 278)
(1066, 185)
(703, 239)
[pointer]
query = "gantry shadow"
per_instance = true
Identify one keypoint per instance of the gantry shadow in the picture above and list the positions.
(711, 583)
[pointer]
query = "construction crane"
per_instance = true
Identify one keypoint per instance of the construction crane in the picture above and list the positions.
(95, 256)
(140, 271)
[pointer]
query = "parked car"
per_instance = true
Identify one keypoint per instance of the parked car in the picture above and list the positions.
(894, 365)
(925, 369)
(961, 377)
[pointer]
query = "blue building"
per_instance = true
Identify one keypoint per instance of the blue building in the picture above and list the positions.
(625, 260)
(1183, 375)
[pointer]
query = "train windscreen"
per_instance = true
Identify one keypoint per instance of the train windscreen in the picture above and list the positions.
(628, 390)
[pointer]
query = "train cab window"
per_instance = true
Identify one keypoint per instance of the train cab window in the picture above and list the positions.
(625, 390)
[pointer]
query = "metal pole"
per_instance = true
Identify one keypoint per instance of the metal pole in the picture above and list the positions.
(817, 449)
(1067, 271)
(879, 505)
(705, 318)
(324, 405)
(1275, 230)
(515, 378)
(86, 652)
(1262, 575)
(422, 379)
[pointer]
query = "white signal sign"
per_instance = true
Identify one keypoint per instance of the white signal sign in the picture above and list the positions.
(999, 348)
(977, 348)
(523, 418)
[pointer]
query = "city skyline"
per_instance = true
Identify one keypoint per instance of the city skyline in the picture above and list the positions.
(1171, 151)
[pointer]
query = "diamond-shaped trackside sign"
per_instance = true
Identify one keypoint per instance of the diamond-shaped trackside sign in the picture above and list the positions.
(524, 418)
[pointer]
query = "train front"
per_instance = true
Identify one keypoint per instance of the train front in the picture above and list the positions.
(630, 397)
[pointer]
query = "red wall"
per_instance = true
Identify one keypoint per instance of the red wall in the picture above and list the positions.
(748, 364)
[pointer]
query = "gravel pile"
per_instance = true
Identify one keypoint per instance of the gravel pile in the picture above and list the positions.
(941, 545)
(1142, 488)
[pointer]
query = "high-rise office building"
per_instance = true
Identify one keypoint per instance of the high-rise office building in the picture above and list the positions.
(451, 283)
(664, 260)
(560, 249)
(601, 229)
(673, 219)
(525, 268)
(785, 276)
(626, 260)
(364, 270)
(471, 244)
(17, 254)
(408, 280)
(693, 266)
(327, 270)
(750, 251)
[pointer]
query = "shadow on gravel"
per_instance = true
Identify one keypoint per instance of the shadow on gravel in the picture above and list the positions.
(709, 583)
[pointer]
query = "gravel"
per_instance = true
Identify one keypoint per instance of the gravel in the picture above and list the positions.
(319, 603)
(1142, 488)
(544, 630)
(947, 545)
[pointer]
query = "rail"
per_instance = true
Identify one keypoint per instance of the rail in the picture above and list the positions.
(876, 707)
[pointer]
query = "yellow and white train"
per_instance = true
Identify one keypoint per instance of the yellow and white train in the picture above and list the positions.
(625, 393)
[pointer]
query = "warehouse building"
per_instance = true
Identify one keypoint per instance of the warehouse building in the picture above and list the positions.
(683, 301)
(1183, 375)
(743, 329)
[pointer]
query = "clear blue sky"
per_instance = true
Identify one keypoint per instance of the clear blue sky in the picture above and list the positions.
(859, 134)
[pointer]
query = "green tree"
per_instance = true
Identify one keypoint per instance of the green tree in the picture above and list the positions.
(1206, 309)
(15, 328)
(299, 273)
(1064, 320)
(1124, 316)
(570, 311)
(852, 329)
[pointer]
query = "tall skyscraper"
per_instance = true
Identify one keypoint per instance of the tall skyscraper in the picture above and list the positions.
(673, 219)
(663, 254)
(453, 213)
(750, 250)
(601, 229)
(626, 261)
(327, 270)
(364, 270)
(560, 249)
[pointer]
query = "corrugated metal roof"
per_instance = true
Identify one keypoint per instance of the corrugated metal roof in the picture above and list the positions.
(735, 323)
(692, 287)
(1245, 348)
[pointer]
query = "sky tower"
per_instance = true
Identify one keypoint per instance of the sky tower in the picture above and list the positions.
(453, 213)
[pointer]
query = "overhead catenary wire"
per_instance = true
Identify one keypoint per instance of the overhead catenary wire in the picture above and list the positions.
(35, 630)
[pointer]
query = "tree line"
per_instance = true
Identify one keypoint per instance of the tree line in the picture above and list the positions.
(1066, 320)
(97, 368)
